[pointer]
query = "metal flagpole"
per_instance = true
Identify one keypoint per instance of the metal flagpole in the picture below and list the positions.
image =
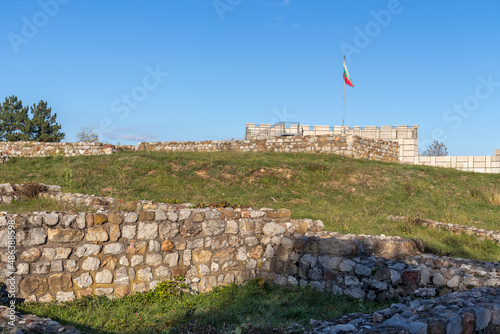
(343, 100)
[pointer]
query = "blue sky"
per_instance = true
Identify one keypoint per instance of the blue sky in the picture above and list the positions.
(199, 70)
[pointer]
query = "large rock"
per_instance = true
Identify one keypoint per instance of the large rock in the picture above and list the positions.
(100, 218)
(91, 264)
(84, 280)
(114, 232)
(62, 296)
(51, 219)
(167, 246)
(58, 282)
(145, 274)
(122, 276)
(104, 277)
(31, 255)
(68, 220)
(390, 247)
(190, 229)
(65, 235)
(35, 237)
(59, 253)
(201, 256)
(337, 247)
(116, 217)
(88, 249)
(147, 231)
(213, 227)
(128, 231)
(98, 234)
(32, 284)
(169, 230)
(163, 272)
(147, 215)
(115, 248)
(273, 229)
(171, 259)
(153, 259)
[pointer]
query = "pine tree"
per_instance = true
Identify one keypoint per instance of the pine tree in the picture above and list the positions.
(15, 124)
(43, 124)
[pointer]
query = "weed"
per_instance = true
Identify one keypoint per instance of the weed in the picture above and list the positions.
(31, 189)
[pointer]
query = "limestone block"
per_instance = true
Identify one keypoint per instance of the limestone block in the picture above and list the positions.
(171, 259)
(190, 229)
(168, 230)
(59, 282)
(128, 231)
(104, 277)
(87, 250)
(145, 274)
(273, 229)
(91, 264)
(59, 253)
(114, 232)
(31, 255)
(115, 248)
(153, 259)
(147, 231)
(213, 227)
(136, 260)
(62, 296)
(97, 234)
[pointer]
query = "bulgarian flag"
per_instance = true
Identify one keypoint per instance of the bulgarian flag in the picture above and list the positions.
(347, 78)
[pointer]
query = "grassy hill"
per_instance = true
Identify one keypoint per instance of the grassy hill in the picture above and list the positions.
(348, 195)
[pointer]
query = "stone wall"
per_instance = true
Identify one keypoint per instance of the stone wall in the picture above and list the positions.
(346, 145)
(62, 256)
(406, 136)
(39, 149)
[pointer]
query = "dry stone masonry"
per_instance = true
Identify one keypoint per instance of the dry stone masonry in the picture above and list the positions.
(61, 256)
(64, 255)
(42, 149)
(345, 145)
(480, 233)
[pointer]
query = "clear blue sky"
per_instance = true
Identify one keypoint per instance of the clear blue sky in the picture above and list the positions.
(432, 63)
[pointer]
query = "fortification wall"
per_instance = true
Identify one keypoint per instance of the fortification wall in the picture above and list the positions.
(346, 145)
(40, 149)
(65, 255)
(406, 136)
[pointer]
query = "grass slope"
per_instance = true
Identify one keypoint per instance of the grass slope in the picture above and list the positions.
(348, 195)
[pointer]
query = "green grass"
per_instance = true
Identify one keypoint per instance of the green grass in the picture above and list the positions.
(348, 195)
(255, 303)
(39, 204)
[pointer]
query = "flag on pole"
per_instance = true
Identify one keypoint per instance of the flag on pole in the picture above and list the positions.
(347, 78)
